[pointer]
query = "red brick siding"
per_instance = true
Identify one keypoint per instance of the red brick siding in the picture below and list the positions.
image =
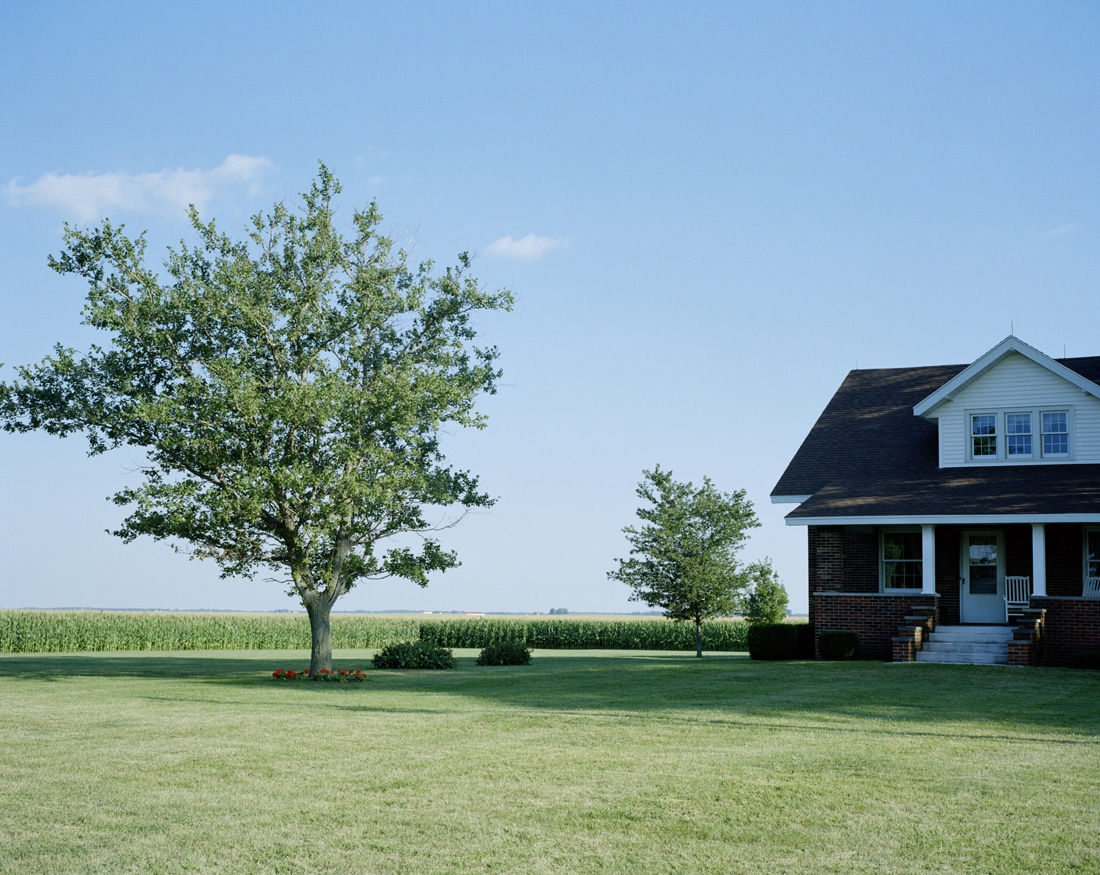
(1071, 626)
(875, 617)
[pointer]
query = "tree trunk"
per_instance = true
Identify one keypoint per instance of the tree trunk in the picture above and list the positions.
(699, 638)
(320, 628)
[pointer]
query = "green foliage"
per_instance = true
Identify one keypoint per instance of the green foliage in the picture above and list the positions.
(683, 559)
(86, 631)
(575, 634)
(505, 653)
(288, 391)
(773, 641)
(838, 644)
(767, 599)
(414, 654)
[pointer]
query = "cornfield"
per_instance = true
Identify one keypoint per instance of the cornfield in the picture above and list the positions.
(78, 631)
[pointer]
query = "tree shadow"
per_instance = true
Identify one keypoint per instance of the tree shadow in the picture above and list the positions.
(721, 689)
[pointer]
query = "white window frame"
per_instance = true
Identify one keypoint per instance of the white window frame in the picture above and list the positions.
(1068, 454)
(1030, 414)
(1001, 436)
(899, 530)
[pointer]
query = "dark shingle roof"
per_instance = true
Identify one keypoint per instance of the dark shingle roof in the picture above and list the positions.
(868, 455)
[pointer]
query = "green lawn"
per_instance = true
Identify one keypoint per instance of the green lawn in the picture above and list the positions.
(581, 762)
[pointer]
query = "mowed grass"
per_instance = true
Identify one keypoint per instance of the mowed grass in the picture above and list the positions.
(581, 762)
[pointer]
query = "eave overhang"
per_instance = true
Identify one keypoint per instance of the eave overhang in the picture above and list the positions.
(946, 519)
(1009, 345)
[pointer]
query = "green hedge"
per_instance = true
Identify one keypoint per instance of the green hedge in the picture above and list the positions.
(838, 644)
(566, 634)
(774, 641)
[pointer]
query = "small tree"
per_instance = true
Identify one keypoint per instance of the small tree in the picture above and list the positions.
(289, 391)
(767, 599)
(684, 558)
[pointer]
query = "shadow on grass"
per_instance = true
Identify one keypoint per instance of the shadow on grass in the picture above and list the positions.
(724, 689)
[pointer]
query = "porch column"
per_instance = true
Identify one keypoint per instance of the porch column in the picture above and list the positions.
(928, 559)
(1038, 559)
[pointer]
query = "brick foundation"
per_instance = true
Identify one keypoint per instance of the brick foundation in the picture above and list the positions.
(1070, 626)
(874, 616)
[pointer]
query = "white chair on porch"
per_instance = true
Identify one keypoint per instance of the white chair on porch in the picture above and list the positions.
(1017, 595)
(1091, 589)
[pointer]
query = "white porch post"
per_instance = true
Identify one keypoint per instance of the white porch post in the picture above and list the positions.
(928, 559)
(1038, 559)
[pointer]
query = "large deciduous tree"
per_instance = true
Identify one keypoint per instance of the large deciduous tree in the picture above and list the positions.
(288, 390)
(683, 559)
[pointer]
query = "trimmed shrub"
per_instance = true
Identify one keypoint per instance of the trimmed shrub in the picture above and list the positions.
(505, 653)
(414, 654)
(773, 641)
(561, 633)
(838, 644)
(1086, 659)
(805, 646)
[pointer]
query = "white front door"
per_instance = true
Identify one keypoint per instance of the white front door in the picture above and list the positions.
(983, 578)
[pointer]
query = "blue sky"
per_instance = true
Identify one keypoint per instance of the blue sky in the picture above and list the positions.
(708, 212)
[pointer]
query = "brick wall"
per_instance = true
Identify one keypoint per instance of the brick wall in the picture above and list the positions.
(1071, 626)
(874, 616)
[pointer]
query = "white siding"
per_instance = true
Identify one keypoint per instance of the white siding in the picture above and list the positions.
(1017, 382)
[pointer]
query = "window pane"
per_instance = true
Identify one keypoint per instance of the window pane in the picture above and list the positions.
(1055, 433)
(1018, 444)
(985, 446)
(1054, 422)
(1092, 548)
(1055, 445)
(1018, 423)
(984, 424)
(901, 555)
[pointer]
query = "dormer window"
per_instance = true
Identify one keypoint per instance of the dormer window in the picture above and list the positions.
(1009, 435)
(983, 435)
(1056, 433)
(1018, 430)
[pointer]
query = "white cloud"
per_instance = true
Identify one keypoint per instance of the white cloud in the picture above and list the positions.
(90, 196)
(1059, 231)
(526, 248)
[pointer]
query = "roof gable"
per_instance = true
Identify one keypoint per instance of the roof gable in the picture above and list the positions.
(991, 359)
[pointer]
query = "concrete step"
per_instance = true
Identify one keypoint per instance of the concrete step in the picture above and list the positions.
(967, 645)
(972, 633)
(963, 658)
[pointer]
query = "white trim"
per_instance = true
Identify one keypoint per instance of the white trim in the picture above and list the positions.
(1009, 345)
(790, 499)
(928, 557)
(945, 519)
(1039, 559)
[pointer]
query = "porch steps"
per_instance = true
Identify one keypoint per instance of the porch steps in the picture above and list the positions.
(967, 645)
